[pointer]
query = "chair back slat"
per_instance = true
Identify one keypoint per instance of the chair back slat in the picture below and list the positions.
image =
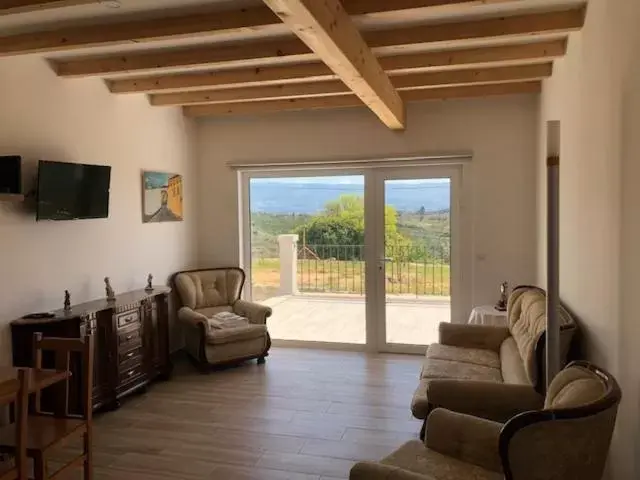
(65, 350)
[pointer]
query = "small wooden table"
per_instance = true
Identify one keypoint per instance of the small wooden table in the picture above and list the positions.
(39, 379)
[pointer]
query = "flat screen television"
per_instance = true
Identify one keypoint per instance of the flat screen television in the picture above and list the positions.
(10, 174)
(72, 191)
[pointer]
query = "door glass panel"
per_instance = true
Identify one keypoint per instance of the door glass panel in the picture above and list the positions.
(417, 259)
(307, 256)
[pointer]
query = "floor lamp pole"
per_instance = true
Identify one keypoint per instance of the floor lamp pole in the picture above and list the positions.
(553, 277)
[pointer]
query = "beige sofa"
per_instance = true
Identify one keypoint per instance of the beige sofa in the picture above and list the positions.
(491, 371)
(567, 438)
(205, 293)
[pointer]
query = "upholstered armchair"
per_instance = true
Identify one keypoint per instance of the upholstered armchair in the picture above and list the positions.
(209, 340)
(567, 439)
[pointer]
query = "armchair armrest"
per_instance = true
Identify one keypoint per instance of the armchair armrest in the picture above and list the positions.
(494, 401)
(473, 336)
(193, 318)
(467, 438)
(381, 471)
(255, 312)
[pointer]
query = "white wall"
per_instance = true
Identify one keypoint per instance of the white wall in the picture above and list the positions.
(44, 117)
(594, 94)
(501, 133)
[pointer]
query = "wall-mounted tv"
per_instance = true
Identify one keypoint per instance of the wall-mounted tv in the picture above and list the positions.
(10, 174)
(72, 191)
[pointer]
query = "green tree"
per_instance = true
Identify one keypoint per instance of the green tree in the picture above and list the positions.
(342, 223)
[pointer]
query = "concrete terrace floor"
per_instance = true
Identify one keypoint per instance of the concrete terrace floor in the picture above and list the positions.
(341, 318)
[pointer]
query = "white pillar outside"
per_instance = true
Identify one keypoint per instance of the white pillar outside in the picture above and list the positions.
(288, 248)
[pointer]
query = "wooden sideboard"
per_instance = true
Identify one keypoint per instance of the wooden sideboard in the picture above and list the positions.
(131, 342)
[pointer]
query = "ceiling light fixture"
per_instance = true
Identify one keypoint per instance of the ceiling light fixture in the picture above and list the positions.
(110, 3)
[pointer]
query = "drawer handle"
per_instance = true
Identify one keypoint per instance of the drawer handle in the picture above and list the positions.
(129, 337)
(130, 354)
(131, 373)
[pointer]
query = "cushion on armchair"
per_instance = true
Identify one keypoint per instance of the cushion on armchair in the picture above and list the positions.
(209, 288)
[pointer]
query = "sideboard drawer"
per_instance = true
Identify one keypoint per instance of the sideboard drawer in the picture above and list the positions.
(130, 336)
(128, 357)
(126, 319)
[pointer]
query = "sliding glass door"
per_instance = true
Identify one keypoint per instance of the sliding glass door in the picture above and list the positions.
(415, 245)
(354, 259)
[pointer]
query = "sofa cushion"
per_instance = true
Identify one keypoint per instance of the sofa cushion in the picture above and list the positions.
(435, 368)
(511, 365)
(209, 288)
(235, 334)
(414, 457)
(475, 356)
(527, 322)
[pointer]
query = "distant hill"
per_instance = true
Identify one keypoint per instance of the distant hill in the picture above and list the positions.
(310, 198)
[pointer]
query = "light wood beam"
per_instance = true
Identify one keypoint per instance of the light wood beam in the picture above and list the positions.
(343, 101)
(327, 29)
(21, 6)
(266, 52)
(244, 20)
(331, 88)
(134, 31)
(555, 22)
(320, 72)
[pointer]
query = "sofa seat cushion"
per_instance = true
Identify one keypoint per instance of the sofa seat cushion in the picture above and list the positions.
(414, 457)
(436, 368)
(474, 356)
(235, 334)
(511, 365)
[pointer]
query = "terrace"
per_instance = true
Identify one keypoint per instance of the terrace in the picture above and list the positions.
(318, 295)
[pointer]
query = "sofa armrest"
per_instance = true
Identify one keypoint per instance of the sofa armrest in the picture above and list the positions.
(467, 438)
(381, 471)
(494, 401)
(192, 318)
(255, 312)
(486, 337)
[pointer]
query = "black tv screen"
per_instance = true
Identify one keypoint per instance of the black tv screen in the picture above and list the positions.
(72, 191)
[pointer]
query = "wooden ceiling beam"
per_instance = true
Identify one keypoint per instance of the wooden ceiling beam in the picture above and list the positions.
(373, 7)
(208, 23)
(328, 30)
(268, 52)
(8, 7)
(331, 88)
(318, 71)
(344, 101)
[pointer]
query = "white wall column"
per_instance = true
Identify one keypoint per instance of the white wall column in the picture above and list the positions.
(288, 249)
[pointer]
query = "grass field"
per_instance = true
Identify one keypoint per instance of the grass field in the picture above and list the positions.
(339, 276)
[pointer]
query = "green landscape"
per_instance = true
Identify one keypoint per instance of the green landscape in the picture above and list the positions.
(331, 250)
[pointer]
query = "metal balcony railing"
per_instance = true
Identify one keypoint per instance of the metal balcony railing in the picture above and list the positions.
(409, 270)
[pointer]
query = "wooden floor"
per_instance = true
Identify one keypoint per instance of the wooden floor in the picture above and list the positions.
(305, 415)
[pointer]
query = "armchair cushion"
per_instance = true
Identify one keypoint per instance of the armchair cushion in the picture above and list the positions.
(470, 439)
(432, 465)
(235, 334)
(209, 288)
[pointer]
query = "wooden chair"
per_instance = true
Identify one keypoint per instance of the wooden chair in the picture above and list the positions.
(46, 430)
(17, 392)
